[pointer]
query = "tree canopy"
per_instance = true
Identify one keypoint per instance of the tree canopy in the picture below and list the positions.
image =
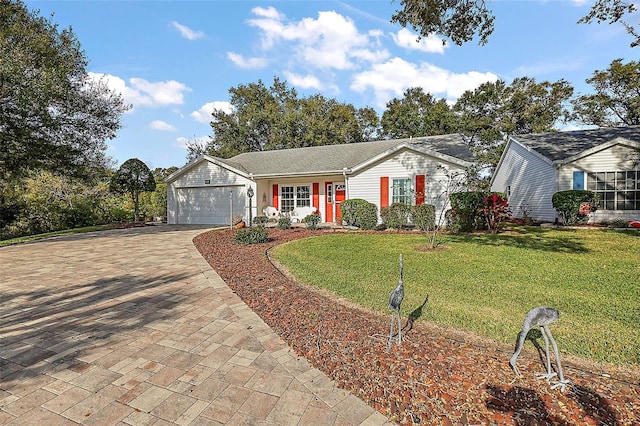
(462, 20)
(132, 178)
(616, 101)
(52, 115)
(417, 114)
(494, 111)
(267, 118)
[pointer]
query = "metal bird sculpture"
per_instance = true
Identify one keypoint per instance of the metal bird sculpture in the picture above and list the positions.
(395, 299)
(542, 317)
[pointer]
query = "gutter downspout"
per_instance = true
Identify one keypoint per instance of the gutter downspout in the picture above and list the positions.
(346, 182)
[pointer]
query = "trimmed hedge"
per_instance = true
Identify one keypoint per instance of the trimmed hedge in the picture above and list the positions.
(567, 203)
(396, 216)
(424, 216)
(360, 213)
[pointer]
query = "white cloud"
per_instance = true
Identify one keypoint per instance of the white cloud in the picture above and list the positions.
(331, 41)
(187, 32)
(390, 79)
(248, 63)
(203, 115)
(140, 92)
(200, 140)
(162, 126)
(408, 40)
(303, 81)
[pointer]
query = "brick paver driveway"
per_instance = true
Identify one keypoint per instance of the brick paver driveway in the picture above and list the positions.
(133, 327)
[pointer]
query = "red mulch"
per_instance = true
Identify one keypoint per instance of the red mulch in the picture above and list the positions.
(437, 376)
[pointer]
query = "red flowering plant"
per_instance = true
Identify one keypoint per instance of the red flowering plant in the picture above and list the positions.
(495, 210)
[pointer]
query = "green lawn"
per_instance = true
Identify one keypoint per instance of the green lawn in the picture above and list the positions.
(487, 283)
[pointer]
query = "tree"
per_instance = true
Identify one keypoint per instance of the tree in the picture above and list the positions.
(155, 203)
(613, 11)
(417, 114)
(52, 115)
(462, 20)
(495, 111)
(132, 178)
(458, 20)
(616, 101)
(276, 118)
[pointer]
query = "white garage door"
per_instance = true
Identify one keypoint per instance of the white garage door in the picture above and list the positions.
(209, 206)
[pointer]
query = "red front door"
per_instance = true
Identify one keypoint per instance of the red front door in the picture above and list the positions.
(341, 195)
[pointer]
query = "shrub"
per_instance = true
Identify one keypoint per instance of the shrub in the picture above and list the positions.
(349, 209)
(260, 220)
(396, 215)
(567, 204)
(424, 216)
(253, 235)
(284, 222)
(465, 211)
(360, 213)
(495, 210)
(312, 221)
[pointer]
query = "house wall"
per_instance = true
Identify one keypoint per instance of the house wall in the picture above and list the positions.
(265, 193)
(529, 180)
(612, 159)
(208, 175)
(404, 164)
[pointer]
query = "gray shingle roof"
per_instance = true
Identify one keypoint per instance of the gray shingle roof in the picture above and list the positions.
(562, 145)
(334, 158)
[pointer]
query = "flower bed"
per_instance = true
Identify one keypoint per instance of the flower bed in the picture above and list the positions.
(437, 376)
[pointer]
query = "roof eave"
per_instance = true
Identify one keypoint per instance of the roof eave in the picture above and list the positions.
(597, 148)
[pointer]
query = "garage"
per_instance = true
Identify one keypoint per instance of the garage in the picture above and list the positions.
(209, 205)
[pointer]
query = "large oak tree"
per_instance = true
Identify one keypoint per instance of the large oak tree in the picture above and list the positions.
(616, 101)
(53, 117)
(417, 114)
(267, 118)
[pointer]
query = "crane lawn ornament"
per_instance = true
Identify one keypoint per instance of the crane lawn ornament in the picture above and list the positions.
(395, 299)
(542, 317)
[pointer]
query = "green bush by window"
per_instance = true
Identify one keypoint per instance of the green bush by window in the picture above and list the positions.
(396, 216)
(312, 221)
(284, 222)
(567, 203)
(424, 216)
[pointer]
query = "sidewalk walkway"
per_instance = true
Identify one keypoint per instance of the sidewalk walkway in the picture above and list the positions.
(134, 327)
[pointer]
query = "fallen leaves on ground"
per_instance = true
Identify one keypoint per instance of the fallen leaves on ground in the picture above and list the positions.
(435, 376)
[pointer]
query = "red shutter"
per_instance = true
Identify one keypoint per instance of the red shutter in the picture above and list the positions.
(384, 191)
(275, 195)
(419, 189)
(316, 196)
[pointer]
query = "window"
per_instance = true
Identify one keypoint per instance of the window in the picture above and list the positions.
(329, 194)
(616, 190)
(294, 196)
(401, 191)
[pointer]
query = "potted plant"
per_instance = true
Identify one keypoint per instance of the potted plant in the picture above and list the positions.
(238, 221)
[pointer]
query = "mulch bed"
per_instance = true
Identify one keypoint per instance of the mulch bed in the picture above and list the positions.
(437, 376)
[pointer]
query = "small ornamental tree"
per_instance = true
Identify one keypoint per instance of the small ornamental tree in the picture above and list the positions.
(573, 206)
(132, 178)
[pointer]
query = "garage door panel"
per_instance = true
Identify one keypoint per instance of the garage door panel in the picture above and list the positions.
(208, 206)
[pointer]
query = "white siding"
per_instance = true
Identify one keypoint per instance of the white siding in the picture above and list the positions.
(207, 182)
(403, 164)
(532, 182)
(613, 159)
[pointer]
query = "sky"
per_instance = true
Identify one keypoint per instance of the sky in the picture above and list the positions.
(175, 61)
